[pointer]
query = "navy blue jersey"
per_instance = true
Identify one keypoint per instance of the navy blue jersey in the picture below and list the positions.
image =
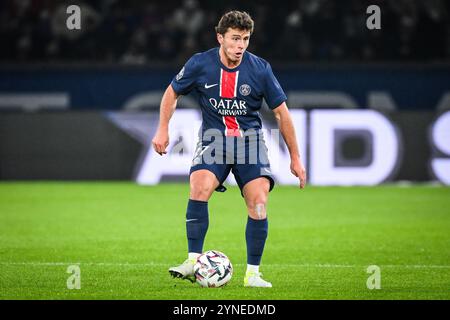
(230, 99)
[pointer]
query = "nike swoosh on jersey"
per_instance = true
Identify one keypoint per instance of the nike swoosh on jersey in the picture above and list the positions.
(189, 220)
(210, 86)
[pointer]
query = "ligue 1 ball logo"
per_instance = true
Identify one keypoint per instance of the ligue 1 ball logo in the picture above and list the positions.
(245, 89)
(180, 74)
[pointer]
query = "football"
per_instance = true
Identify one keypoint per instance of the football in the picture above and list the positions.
(213, 269)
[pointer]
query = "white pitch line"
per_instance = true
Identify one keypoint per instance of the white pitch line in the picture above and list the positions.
(156, 264)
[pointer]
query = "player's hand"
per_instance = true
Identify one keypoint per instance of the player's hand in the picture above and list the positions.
(161, 141)
(299, 171)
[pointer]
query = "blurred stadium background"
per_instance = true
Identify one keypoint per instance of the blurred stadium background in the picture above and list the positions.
(371, 107)
(81, 104)
(169, 32)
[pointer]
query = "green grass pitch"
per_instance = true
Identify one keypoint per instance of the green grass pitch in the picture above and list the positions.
(321, 240)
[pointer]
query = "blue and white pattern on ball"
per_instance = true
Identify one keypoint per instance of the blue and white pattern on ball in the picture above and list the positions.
(213, 269)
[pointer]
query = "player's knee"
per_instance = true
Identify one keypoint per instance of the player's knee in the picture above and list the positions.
(200, 192)
(257, 210)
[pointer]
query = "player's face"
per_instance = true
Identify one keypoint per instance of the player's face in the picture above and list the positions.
(234, 43)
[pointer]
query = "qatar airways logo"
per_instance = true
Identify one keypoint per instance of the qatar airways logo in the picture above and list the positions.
(229, 107)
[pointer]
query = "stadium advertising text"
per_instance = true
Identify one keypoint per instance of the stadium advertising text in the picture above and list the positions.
(323, 136)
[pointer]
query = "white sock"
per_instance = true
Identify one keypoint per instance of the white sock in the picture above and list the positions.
(252, 268)
(193, 255)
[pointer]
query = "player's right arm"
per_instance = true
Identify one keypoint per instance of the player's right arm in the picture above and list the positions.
(181, 84)
(168, 104)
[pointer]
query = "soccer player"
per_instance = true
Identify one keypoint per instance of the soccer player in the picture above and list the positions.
(230, 84)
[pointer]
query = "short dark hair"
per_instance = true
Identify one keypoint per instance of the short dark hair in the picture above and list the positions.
(236, 20)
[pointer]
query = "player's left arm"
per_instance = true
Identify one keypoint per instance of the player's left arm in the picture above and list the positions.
(286, 126)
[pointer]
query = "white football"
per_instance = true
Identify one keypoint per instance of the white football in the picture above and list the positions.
(213, 269)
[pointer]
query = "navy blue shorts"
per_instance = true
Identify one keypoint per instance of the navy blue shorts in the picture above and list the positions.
(246, 157)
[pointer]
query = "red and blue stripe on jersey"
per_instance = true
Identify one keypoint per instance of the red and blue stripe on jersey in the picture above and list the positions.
(227, 90)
